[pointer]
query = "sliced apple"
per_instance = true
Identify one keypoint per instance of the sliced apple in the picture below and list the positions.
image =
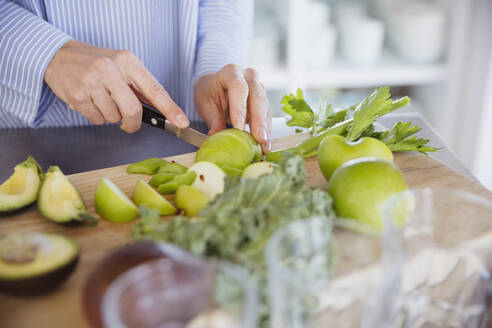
(190, 199)
(258, 169)
(112, 204)
(144, 194)
(209, 178)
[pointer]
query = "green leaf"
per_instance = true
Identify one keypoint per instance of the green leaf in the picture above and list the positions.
(399, 138)
(237, 223)
(372, 107)
(301, 114)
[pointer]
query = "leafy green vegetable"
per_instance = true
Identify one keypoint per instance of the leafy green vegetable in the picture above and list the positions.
(372, 107)
(398, 138)
(301, 114)
(237, 224)
(354, 123)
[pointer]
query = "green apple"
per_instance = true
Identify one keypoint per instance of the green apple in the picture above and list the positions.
(335, 150)
(112, 204)
(231, 149)
(258, 169)
(361, 186)
(209, 178)
(190, 199)
(143, 194)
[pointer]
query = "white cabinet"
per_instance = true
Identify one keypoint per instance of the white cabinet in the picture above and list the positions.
(441, 88)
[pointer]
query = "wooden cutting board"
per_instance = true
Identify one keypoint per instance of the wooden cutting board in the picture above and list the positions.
(63, 307)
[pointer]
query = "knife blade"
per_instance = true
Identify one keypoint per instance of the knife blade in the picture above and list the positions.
(153, 117)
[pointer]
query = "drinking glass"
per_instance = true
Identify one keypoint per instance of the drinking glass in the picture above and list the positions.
(441, 250)
(324, 278)
(181, 291)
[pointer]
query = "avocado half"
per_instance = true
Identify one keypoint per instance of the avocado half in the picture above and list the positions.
(21, 188)
(60, 201)
(34, 263)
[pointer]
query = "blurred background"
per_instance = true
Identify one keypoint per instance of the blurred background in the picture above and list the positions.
(437, 52)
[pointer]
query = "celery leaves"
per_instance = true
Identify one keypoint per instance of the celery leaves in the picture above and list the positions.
(399, 138)
(371, 108)
(301, 113)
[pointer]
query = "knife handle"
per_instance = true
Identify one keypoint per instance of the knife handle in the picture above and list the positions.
(153, 118)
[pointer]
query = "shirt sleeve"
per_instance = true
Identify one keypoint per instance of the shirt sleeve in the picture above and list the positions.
(27, 45)
(224, 34)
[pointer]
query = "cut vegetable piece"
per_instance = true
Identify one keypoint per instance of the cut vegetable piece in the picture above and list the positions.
(180, 179)
(60, 201)
(143, 194)
(33, 263)
(256, 170)
(147, 166)
(160, 178)
(172, 167)
(22, 188)
(209, 178)
(190, 199)
(112, 204)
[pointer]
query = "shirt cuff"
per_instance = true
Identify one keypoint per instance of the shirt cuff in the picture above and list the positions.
(29, 45)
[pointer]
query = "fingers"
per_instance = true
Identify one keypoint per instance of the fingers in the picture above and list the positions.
(232, 79)
(258, 110)
(218, 124)
(152, 90)
(89, 111)
(106, 106)
(129, 106)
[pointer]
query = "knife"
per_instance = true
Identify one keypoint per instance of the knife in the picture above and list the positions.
(152, 116)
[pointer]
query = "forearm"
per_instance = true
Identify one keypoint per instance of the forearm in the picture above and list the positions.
(28, 44)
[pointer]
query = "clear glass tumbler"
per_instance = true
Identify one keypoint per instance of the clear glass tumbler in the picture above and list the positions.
(442, 251)
(324, 278)
(181, 291)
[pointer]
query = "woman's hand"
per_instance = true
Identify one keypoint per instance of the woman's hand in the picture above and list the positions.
(106, 85)
(234, 96)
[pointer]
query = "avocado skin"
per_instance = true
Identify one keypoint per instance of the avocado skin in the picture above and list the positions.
(41, 284)
(117, 262)
(17, 210)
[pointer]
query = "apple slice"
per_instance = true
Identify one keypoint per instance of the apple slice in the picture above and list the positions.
(190, 199)
(144, 194)
(258, 169)
(209, 178)
(112, 204)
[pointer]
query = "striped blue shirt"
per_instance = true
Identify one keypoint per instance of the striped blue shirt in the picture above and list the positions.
(177, 40)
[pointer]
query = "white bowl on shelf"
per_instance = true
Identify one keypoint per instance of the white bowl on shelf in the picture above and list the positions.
(320, 47)
(417, 31)
(361, 40)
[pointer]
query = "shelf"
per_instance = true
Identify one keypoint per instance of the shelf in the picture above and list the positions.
(390, 71)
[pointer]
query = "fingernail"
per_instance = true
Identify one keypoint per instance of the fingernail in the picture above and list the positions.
(182, 120)
(264, 135)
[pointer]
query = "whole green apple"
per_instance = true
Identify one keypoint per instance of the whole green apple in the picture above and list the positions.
(335, 150)
(361, 186)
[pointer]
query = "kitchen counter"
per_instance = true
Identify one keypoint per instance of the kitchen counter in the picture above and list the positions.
(81, 149)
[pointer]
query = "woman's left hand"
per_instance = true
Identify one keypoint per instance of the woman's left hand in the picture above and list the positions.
(234, 96)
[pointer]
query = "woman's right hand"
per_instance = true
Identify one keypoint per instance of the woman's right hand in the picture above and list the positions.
(106, 85)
